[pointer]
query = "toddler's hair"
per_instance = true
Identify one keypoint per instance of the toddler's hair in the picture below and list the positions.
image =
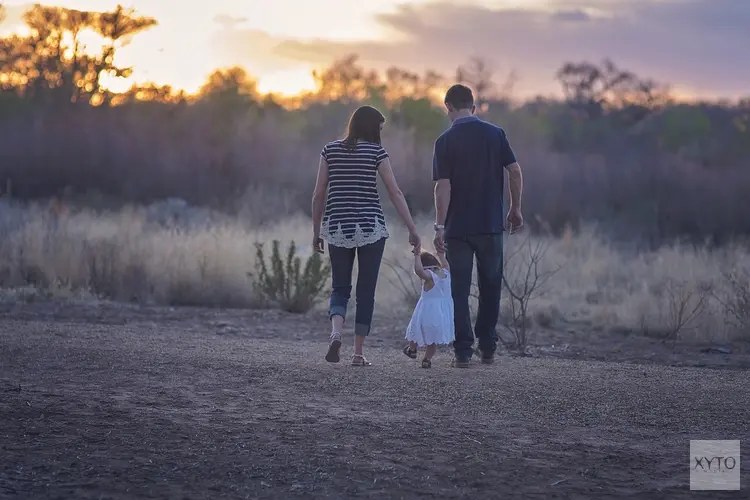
(429, 260)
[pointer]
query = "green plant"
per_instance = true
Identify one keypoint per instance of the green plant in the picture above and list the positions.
(284, 283)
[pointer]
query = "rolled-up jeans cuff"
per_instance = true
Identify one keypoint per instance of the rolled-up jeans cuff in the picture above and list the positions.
(337, 311)
(361, 330)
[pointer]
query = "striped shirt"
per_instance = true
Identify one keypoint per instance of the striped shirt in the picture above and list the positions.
(353, 216)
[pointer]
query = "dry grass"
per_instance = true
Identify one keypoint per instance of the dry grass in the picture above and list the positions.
(124, 256)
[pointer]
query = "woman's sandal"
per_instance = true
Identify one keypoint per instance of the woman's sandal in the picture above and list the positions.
(360, 360)
(426, 363)
(332, 356)
(412, 353)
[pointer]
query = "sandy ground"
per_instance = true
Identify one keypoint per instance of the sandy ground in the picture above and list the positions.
(116, 402)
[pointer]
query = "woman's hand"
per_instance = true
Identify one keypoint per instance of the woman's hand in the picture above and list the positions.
(414, 240)
(317, 243)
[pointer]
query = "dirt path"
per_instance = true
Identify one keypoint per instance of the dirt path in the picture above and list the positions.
(177, 409)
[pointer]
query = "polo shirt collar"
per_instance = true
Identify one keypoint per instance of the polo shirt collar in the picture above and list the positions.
(465, 119)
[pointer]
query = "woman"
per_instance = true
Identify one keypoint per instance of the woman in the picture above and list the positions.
(351, 220)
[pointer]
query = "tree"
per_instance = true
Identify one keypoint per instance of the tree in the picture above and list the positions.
(346, 81)
(477, 74)
(400, 84)
(149, 92)
(53, 65)
(229, 83)
(596, 89)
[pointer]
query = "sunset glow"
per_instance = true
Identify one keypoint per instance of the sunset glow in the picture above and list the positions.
(279, 43)
(182, 50)
(287, 83)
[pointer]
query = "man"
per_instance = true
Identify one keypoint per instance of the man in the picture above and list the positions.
(468, 172)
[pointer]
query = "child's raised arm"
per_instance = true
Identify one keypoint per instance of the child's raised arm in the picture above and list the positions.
(418, 269)
(443, 260)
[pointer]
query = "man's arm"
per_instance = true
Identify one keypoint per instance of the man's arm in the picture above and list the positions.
(515, 179)
(442, 200)
(515, 185)
(441, 174)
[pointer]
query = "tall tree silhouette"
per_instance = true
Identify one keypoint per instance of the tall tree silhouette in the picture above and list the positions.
(346, 81)
(595, 88)
(52, 64)
(477, 74)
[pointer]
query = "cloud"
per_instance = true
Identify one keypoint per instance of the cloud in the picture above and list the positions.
(252, 49)
(694, 44)
(700, 44)
(229, 22)
(574, 15)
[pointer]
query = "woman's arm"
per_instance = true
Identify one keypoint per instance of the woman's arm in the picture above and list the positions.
(319, 196)
(396, 195)
(419, 270)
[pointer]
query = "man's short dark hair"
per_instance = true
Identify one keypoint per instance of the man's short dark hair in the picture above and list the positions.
(459, 97)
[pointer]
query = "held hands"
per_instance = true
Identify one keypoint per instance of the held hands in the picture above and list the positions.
(415, 241)
(439, 240)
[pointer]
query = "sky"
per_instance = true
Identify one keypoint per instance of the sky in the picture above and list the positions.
(699, 47)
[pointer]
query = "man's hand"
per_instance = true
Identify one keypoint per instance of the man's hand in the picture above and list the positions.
(317, 243)
(514, 220)
(439, 240)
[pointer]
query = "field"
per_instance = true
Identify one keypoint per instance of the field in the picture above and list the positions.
(135, 363)
(117, 402)
(180, 256)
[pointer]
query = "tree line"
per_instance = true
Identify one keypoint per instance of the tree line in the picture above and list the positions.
(617, 150)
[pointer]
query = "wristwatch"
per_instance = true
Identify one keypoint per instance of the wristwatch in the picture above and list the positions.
(438, 227)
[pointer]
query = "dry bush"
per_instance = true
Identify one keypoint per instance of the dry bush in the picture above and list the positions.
(126, 256)
(685, 303)
(403, 281)
(524, 278)
(735, 299)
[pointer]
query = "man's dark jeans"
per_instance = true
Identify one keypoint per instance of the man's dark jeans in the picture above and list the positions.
(342, 263)
(488, 249)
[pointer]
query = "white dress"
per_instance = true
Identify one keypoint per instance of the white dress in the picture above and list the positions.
(432, 320)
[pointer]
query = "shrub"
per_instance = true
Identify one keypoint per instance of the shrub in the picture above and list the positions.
(736, 299)
(524, 279)
(283, 283)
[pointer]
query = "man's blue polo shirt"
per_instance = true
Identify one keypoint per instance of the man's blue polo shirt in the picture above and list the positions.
(473, 155)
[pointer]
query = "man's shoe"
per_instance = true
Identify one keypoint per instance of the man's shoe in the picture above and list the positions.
(487, 359)
(460, 363)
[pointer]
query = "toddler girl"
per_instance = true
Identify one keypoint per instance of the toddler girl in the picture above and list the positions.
(432, 321)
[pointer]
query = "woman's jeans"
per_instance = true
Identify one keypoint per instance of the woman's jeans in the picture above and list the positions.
(368, 263)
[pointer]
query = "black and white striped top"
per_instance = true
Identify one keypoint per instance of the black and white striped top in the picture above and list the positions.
(353, 215)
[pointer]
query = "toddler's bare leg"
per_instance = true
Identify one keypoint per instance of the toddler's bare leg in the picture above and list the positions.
(430, 352)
